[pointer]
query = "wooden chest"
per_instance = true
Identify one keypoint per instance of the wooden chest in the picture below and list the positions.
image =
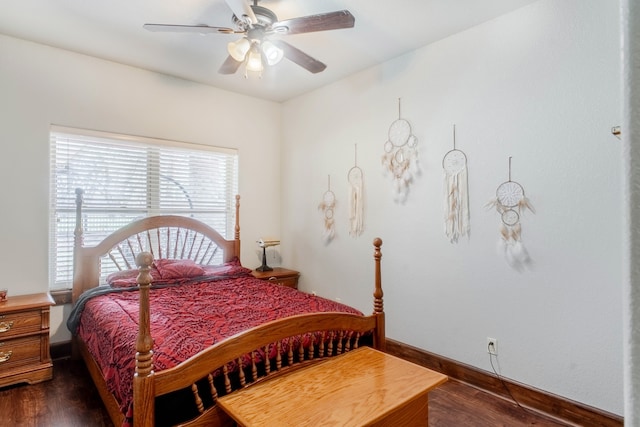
(24, 339)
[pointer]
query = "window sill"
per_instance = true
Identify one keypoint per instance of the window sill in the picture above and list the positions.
(61, 296)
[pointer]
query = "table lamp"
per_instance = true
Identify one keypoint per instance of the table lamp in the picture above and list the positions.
(264, 244)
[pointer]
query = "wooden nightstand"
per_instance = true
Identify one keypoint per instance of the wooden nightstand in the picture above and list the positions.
(24, 339)
(279, 275)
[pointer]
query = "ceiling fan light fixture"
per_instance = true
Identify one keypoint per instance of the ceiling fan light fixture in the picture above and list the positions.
(254, 59)
(239, 48)
(272, 53)
(257, 24)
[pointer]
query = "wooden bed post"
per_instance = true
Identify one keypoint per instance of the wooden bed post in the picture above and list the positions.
(237, 228)
(378, 304)
(143, 381)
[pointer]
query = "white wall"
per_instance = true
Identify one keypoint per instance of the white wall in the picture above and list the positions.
(40, 86)
(541, 85)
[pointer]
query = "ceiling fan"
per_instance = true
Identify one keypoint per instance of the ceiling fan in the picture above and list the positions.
(258, 24)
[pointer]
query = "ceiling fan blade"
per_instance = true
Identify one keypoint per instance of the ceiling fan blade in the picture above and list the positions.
(321, 22)
(294, 54)
(242, 10)
(201, 29)
(229, 66)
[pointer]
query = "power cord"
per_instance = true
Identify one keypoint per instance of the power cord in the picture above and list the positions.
(491, 351)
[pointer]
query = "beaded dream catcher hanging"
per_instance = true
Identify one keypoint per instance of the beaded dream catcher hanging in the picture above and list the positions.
(511, 202)
(400, 158)
(327, 206)
(356, 198)
(456, 193)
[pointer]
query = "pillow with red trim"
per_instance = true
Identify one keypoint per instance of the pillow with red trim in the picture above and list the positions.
(178, 268)
(127, 278)
(228, 269)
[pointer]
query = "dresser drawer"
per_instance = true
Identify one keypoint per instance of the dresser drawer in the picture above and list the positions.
(24, 339)
(12, 324)
(20, 351)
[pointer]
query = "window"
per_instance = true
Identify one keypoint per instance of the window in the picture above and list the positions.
(125, 178)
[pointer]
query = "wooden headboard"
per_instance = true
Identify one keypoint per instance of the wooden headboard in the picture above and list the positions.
(165, 236)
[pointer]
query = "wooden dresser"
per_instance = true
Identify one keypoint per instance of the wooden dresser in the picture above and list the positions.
(24, 339)
(279, 275)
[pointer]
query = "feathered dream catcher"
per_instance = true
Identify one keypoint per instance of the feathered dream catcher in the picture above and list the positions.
(456, 193)
(327, 206)
(356, 200)
(511, 203)
(400, 159)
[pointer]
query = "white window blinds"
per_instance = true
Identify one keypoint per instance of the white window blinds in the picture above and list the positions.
(125, 178)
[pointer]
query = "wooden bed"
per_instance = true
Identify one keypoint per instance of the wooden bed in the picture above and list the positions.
(261, 351)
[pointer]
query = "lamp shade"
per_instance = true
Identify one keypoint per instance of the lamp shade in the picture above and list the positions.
(254, 58)
(272, 53)
(239, 48)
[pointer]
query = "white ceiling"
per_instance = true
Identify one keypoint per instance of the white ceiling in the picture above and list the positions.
(112, 29)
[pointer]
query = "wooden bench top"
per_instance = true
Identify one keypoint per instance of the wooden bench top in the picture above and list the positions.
(359, 388)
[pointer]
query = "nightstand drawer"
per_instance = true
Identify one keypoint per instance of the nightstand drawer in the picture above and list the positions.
(291, 282)
(280, 276)
(19, 351)
(13, 324)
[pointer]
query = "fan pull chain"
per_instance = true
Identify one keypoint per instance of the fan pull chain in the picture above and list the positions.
(454, 136)
(356, 154)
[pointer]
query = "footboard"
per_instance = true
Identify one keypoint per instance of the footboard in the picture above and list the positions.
(260, 353)
(249, 357)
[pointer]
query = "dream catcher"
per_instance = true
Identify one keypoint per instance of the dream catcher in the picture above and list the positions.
(400, 159)
(327, 206)
(511, 202)
(456, 193)
(356, 201)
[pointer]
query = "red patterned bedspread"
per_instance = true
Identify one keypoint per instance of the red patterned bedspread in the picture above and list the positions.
(185, 319)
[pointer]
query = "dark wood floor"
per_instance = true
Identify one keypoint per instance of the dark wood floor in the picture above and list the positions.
(455, 404)
(71, 400)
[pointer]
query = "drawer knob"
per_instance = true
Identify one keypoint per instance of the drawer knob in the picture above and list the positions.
(273, 278)
(5, 356)
(5, 326)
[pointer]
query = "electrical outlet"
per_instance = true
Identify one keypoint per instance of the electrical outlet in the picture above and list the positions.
(492, 346)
